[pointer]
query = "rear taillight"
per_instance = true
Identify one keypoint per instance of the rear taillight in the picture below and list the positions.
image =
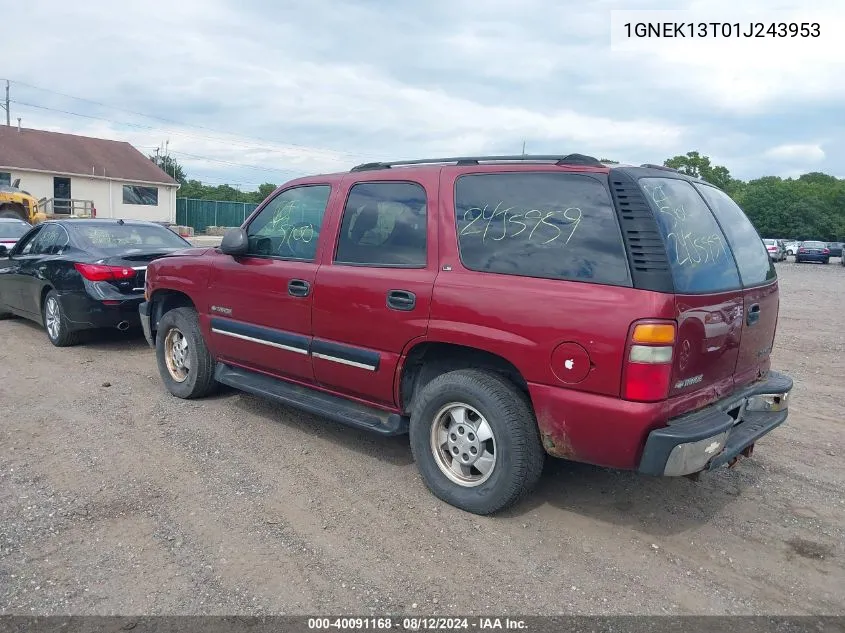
(826, 251)
(93, 212)
(648, 367)
(802, 250)
(100, 272)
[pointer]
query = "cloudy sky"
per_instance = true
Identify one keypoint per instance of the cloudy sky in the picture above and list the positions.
(246, 92)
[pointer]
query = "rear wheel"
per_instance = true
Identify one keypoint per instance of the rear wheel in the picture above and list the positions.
(475, 441)
(55, 322)
(184, 362)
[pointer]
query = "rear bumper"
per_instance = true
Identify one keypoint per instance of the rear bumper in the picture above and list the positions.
(812, 257)
(144, 316)
(84, 312)
(714, 436)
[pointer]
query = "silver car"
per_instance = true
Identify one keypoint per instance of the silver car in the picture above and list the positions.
(776, 248)
(11, 230)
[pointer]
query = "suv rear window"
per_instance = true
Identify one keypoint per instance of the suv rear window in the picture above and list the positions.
(539, 224)
(755, 265)
(698, 253)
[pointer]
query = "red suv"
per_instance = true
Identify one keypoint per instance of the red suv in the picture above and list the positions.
(496, 309)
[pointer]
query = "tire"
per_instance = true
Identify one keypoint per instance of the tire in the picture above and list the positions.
(827, 261)
(517, 453)
(55, 322)
(14, 211)
(187, 372)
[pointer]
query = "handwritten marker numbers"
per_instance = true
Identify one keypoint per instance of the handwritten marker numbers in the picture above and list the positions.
(542, 227)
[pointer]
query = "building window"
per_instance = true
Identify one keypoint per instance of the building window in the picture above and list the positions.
(133, 194)
(5, 178)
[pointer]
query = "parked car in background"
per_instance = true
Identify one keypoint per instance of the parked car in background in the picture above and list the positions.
(11, 230)
(812, 251)
(835, 249)
(74, 275)
(496, 309)
(775, 249)
(791, 247)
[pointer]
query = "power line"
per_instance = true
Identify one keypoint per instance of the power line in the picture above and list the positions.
(181, 124)
(146, 127)
(228, 162)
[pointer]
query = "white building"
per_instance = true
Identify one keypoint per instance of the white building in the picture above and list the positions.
(120, 180)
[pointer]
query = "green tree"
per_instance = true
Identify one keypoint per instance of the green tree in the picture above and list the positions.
(172, 168)
(698, 166)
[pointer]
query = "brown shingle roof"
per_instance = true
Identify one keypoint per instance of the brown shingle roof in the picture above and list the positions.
(71, 154)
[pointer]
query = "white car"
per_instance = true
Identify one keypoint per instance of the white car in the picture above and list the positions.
(11, 230)
(791, 247)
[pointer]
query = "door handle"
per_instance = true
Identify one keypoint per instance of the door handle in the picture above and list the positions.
(298, 288)
(401, 300)
(753, 314)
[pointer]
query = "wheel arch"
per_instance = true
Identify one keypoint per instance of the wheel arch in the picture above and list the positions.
(426, 360)
(163, 301)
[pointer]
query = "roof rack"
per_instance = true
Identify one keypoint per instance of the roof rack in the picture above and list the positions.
(663, 167)
(568, 159)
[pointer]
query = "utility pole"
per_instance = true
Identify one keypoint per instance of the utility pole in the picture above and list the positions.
(8, 115)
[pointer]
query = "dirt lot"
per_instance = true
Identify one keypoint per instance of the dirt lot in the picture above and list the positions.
(116, 498)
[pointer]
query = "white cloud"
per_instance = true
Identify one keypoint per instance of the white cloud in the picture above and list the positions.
(277, 86)
(807, 153)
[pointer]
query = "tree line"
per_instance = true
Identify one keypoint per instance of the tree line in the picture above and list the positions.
(811, 206)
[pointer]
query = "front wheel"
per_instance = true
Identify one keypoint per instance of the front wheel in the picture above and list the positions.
(475, 441)
(184, 362)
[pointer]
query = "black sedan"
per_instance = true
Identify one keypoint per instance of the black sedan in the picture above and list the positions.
(812, 251)
(835, 249)
(74, 275)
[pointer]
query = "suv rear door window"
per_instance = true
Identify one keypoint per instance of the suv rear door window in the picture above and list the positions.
(755, 265)
(539, 224)
(384, 224)
(698, 253)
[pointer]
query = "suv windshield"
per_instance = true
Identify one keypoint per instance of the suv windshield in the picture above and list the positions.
(696, 247)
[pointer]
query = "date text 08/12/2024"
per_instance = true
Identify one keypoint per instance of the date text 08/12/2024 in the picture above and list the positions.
(419, 623)
(637, 30)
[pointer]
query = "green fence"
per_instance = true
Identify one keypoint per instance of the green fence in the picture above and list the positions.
(200, 214)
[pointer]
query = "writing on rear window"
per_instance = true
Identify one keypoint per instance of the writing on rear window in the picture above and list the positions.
(690, 248)
(500, 223)
(699, 256)
(549, 225)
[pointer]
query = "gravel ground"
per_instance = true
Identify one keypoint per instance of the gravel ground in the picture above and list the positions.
(116, 498)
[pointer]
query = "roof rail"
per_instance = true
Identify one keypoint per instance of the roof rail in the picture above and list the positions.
(568, 159)
(663, 167)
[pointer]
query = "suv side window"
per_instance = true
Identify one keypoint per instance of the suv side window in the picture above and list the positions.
(540, 224)
(698, 254)
(289, 226)
(384, 224)
(755, 265)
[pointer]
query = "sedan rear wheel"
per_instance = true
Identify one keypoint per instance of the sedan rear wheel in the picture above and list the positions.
(55, 322)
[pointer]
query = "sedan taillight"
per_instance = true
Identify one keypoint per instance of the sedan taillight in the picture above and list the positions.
(99, 272)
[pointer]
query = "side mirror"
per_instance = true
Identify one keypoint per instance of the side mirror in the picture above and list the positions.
(235, 242)
(4, 252)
